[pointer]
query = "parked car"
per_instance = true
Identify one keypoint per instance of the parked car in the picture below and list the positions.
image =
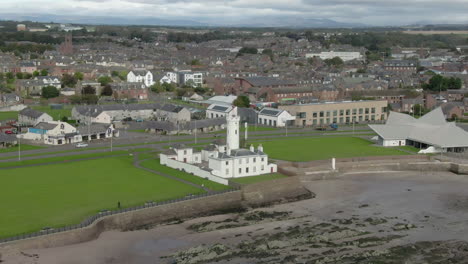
(81, 145)
(9, 132)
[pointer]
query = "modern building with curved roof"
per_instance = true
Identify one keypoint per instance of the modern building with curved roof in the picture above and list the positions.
(431, 130)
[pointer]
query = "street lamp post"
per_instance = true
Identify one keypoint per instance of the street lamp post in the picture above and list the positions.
(19, 148)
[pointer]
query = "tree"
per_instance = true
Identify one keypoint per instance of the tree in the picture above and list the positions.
(157, 87)
(10, 76)
(268, 52)
(169, 87)
(361, 70)
(50, 92)
(69, 80)
(180, 92)
(195, 62)
(78, 76)
(104, 80)
(441, 83)
(200, 90)
(419, 109)
(89, 99)
(44, 72)
(36, 73)
(107, 90)
(247, 50)
(242, 101)
(75, 99)
(64, 119)
(336, 62)
(19, 75)
(88, 89)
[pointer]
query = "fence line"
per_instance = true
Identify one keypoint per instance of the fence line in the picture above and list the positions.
(88, 221)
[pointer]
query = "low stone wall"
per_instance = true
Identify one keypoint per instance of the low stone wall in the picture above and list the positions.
(12, 108)
(268, 192)
(262, 193)
(195, 171)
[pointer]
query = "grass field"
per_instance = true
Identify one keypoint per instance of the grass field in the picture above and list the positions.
(155, 165)
(63, 194)
(15, 148)
(56, 114)
(66, 158)
(261, 178)
(8, 115)
(410, 148)
(307, 149)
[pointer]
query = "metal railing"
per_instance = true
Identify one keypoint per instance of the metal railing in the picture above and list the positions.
(88, 221)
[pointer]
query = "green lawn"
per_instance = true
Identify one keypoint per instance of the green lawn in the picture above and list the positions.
(13, 115)
(67, 158)
(56, 114)
(15, 148)
(63, 194)
(410, 148)
(261, 178)
(307, 149)
(155, 165)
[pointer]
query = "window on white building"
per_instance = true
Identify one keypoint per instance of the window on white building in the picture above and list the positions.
(227, 162)
(246, 170)
(227, 171)
(263, 167)
(240, 170)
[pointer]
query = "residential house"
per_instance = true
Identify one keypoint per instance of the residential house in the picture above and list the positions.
(275, 117)
(31, 117)
(145, 77)
(129, 90)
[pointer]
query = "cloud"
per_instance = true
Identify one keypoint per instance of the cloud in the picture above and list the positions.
(371, 12)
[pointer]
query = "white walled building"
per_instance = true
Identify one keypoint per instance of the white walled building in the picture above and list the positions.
(344, 55)
(274, 117)
(430, 133)
(217, 111)
(219, 161)
(31, 117)
(53, 133)
(145, 77)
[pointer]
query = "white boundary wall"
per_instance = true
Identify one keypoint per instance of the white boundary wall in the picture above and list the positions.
(195, 170)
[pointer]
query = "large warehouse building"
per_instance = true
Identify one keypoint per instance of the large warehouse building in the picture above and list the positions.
(430, 133)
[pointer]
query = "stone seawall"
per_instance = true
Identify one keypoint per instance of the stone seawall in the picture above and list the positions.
(280, 190)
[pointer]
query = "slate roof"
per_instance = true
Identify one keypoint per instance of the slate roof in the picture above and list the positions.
(267, 81)
(431, 129)
(220, 108)
(270, 111)
(95, 110)
(31, 113)
(46, 126)
(92, 128)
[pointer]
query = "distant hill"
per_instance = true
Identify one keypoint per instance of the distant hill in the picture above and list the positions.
(286, 22)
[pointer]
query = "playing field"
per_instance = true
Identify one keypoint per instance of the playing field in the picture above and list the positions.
(307, 149)
(8, 115)
(56, 114)
(63, 194)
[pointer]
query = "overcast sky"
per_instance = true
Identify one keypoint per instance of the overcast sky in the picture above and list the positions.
(371, 12)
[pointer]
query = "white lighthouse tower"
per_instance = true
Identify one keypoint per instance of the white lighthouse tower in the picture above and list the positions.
(232, 139)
